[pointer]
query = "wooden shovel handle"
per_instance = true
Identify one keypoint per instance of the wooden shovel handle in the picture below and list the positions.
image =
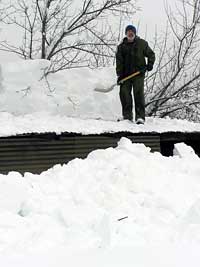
(130, 76)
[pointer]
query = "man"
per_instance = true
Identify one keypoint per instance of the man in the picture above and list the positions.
(130, 58)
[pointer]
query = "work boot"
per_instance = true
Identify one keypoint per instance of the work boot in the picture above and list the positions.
(125, 119)
(129, 118)
(139, 121)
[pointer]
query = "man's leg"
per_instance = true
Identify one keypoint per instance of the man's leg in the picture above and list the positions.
(138, 91)
(126, 100)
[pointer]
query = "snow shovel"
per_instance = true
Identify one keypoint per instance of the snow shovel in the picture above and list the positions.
(107, 90)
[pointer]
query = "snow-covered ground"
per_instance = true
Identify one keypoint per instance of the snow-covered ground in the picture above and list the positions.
(67, 102)
(72, 213)
(123, 206)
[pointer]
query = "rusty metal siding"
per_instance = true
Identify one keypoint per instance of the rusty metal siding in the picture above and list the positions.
(38, 152)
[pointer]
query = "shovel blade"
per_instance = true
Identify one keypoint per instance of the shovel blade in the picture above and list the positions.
(105, 90)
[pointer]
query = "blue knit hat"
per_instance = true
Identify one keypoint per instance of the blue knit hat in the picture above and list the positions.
(130, 28)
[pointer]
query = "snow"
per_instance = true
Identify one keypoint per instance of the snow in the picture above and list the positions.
(183, 150)
(69, 92)
(123, 206)
(42, 122)
(75, 209)
(67, 102)
(156, 256)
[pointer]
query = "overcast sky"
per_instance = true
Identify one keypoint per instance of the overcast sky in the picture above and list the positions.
(152, 14)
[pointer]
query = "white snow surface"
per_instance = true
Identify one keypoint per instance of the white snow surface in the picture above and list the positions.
(123, 206)
(41, 122)
(67, 102)
(71, 213)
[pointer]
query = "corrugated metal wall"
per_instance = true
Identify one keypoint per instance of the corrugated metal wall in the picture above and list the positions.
(168, 140)
(38, 152)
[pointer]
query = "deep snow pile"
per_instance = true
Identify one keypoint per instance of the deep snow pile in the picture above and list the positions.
(30, 103)
(71, 92)
(72, 213)
(78, 205)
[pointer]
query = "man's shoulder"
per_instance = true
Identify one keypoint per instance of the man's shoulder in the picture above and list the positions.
(138, 40)
(121, 46)
(123, 41)
(141, 41)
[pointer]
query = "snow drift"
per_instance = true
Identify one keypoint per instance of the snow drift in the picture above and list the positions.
(74, 213)
(78, 205)
(61, 103)
(70, 92)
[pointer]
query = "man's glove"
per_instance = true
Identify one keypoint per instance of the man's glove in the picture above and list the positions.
(143, 70)
(149, 67)
(119, 79)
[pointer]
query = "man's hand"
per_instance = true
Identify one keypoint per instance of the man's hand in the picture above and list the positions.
(143, 70)
(149, 67)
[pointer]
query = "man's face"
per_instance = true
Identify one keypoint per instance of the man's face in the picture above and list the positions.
(130, 35)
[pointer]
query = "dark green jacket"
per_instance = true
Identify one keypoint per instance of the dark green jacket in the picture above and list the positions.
(130, 57)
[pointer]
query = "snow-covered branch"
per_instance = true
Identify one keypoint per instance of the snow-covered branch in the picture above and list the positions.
(177, 75)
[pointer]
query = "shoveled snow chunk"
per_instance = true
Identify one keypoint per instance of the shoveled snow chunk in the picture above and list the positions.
(184, 151)
(137, 149)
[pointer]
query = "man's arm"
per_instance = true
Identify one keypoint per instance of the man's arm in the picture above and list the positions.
(119, 62)
(149, 53)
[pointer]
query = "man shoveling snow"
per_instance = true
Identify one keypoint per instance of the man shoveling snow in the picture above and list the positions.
(130, 58)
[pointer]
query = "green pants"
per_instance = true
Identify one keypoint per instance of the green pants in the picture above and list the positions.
(137, 84)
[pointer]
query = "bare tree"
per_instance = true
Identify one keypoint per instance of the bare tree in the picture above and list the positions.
(64, 32)
(173, 89)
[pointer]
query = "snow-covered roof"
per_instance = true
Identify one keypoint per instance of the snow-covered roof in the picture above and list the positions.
(67, 103)
(44, 122)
